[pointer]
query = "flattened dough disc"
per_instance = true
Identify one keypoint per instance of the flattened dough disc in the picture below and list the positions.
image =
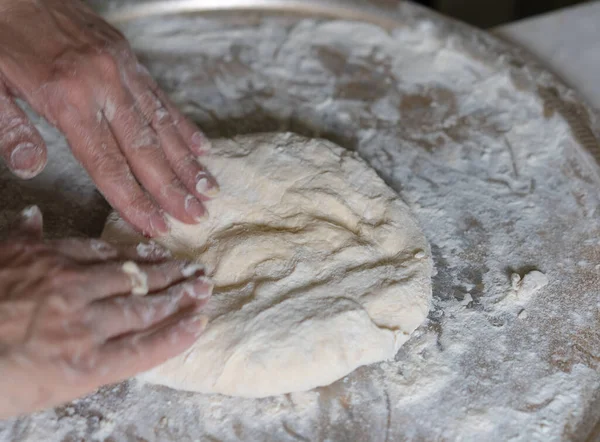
(319, 268)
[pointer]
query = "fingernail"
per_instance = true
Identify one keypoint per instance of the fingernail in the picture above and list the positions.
(203, 288)
(152, 250)
(195, 323)
(195, 208)
(103, 248)
(30, 212)
(27, 160)
(200, 142)
(159, 224)
(206, 186)
(191, 269)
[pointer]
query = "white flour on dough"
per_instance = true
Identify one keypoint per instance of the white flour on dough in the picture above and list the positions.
(319, 267)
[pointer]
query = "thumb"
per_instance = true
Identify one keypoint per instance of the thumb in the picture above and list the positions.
(31, 224)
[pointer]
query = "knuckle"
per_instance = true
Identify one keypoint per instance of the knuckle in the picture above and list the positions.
(149, 102)
(14, 128)
(137, 203)
(145, 139)
(108, 164)
(143, 313)
(108, 66)
(71, 98)
(65, 280)
(80, 362)
(162, 117)
(174, 189)
(187, 164)
(64, 66)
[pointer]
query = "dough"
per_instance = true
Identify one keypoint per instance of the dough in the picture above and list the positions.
(319, 268)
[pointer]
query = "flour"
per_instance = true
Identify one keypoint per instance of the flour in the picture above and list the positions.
(139, 279)
(489, 156)
(319, 269)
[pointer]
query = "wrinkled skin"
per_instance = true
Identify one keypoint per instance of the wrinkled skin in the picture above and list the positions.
(79, 73)
(68, 323)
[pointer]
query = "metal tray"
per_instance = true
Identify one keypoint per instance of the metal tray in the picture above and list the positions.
(490, 381)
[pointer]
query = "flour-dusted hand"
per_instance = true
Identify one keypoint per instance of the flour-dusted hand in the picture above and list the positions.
(68, 320)
(79, 73)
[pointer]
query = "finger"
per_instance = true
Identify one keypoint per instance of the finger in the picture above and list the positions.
(142, 147)
(149, 252)
(116, 316)
(114, 279)
(84, 250)
(96, 148)
(192, 136)
(31, 224)
(21, 145)
(132, 354)
(185, 164)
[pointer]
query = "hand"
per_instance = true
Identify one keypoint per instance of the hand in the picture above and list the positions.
(79, 73)
(68, 320)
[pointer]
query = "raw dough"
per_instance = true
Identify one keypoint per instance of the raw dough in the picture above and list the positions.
(319, 269)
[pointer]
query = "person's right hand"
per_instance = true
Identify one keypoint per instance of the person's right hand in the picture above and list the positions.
(69, 322)
(80, 74)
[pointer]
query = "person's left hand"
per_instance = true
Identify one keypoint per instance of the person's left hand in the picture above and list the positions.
(79, 73)
(76, 314)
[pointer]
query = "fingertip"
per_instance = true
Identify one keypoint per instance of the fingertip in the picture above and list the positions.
(31, 212)
(158, 225)
(206, 185)
(199, 143)
(32, 221)
(103, 249)
(194, 324)
(204, 287)
(195, 208)
(27, 159)
(152, 251)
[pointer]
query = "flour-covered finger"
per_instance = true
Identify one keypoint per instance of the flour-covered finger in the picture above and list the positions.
(96, 148)
(125, 314)
(148, 252)
(182, 158)
(121, 278)
(96, 250)
(192, 173)
(141, 82)
(85, 250)
(138, 352)
(144, 151)
(197, 141)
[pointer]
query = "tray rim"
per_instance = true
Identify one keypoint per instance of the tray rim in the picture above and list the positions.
(339, 9)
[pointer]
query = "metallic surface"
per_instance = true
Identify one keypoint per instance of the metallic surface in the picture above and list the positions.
(326, 8)
(74, 207)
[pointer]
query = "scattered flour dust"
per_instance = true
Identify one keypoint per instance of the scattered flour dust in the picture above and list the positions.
(479, 147)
